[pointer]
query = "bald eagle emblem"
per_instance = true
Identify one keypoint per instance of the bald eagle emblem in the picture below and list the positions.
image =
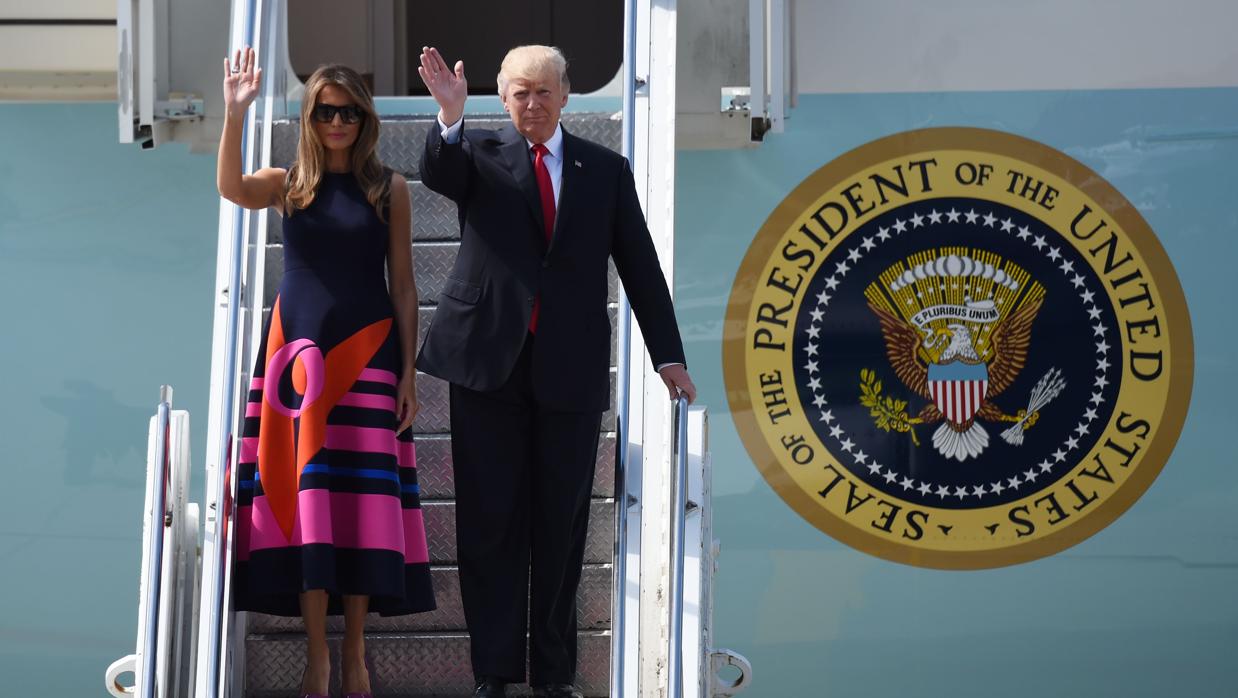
(957, 324)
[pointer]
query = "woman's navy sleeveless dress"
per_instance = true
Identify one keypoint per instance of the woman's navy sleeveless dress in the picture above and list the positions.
(328, 495)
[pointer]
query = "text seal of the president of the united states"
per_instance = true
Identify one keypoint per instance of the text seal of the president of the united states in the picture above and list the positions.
(958, 348)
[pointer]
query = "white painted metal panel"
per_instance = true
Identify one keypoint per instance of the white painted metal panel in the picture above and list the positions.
(58, 9)
(78, 49)
(962, 45)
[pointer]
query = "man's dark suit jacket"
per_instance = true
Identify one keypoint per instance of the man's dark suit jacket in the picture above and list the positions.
(504, 263)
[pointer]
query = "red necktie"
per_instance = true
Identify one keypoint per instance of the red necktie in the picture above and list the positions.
(546, 189)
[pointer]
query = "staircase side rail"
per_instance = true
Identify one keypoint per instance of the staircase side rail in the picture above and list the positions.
(149, 669)
(624, 499)
(158, 518)
(679, 510)
(182, 556)
(701, 565)
(253, 23)
(698, 561)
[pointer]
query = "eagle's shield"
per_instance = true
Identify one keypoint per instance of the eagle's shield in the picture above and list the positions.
(958, 389)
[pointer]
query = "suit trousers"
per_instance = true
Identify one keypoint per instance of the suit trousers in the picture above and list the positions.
(523, 478)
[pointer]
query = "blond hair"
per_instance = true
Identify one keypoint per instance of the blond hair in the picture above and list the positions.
(532, 61)
(306, 173)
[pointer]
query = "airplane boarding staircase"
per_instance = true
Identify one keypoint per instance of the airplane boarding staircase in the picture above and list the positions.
(190, 642)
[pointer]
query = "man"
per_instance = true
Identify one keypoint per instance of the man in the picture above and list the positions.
(522, 334)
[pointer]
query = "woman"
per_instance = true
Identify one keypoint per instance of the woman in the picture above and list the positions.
(328, 516)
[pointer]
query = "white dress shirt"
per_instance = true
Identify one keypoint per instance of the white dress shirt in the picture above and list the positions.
(553, 159)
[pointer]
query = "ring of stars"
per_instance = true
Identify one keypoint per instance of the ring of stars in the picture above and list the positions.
(984, 220)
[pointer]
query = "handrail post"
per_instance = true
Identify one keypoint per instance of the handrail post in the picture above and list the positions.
(679, 507)
(623, 339)
(157, 521)
(214, 608)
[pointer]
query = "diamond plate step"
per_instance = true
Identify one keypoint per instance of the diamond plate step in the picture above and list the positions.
(593, 604)
(427, 654)
(440, 518)
(432, 264)
(402, 140)
(433, 394)
(434, 261)
(434, 216)
(434, 471)
(425, 314)
(435, 418)
(404, 665)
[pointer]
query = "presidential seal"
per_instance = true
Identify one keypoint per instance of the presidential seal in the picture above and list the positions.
(957, 348)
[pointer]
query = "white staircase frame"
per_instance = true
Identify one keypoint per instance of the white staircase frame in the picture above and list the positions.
(162, 663)
(646, 439)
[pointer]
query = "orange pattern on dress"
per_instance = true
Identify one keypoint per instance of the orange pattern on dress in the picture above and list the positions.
(284, 446)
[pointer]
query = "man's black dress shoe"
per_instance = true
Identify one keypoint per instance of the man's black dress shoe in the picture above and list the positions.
(490, 688)
(557, 690)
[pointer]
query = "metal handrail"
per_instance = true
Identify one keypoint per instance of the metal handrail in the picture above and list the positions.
(679, 514)
(159, 518)
(223, 485)
(623, 501)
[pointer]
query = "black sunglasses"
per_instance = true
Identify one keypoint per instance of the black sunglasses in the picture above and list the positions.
(349, 113)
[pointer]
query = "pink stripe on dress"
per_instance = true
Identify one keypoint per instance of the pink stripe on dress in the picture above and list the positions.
(406, 454)
(368, 439)
(343, 519)
(249, 449)
(367, 400)
(257, 383)
(415, 537)
(377, 375)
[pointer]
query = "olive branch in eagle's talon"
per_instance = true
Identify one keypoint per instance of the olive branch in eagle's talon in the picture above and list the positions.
(887, 413)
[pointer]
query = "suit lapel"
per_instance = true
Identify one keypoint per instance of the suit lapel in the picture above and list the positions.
(516, 153)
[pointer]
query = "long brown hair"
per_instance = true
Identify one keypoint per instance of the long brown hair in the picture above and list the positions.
(306, 173)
